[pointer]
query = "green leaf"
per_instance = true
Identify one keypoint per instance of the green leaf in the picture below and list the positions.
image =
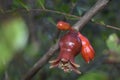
(15, 33)
(112, 43)
(102, 22)
(5, 55)
(23, 5)
(74, 1)
(80, 10)
(51, 20)
(114, 46)
(96, 75)
(41, 3)
(63, 8)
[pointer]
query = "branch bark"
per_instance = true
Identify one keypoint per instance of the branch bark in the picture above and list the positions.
(100, 4)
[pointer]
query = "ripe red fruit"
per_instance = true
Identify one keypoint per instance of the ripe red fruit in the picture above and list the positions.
(70, 45)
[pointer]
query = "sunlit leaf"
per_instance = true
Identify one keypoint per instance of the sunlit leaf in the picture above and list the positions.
(114, 48)
(14, 35)
(113, 43)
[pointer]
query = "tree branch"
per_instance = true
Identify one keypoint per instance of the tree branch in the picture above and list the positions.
(100, 4)
(41, 62)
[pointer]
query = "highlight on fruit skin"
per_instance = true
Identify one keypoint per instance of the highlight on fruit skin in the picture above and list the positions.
(71, 44)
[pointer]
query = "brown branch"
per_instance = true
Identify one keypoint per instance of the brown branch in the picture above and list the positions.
(100, 4)
(41, 62)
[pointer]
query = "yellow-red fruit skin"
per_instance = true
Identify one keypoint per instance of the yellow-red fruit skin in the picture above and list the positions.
(61, 25)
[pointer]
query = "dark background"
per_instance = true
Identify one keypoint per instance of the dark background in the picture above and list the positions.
(28, 30)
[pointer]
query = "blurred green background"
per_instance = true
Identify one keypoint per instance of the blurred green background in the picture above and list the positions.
(28, 30)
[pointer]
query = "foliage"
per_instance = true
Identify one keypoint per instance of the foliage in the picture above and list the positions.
(113, 43)
(25, 38)
(14, 36)
(94, 75)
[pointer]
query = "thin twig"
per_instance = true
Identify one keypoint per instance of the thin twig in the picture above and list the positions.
(54, 11)
(79, 25)
(108, 26)
(78, 17)
(62, 13)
